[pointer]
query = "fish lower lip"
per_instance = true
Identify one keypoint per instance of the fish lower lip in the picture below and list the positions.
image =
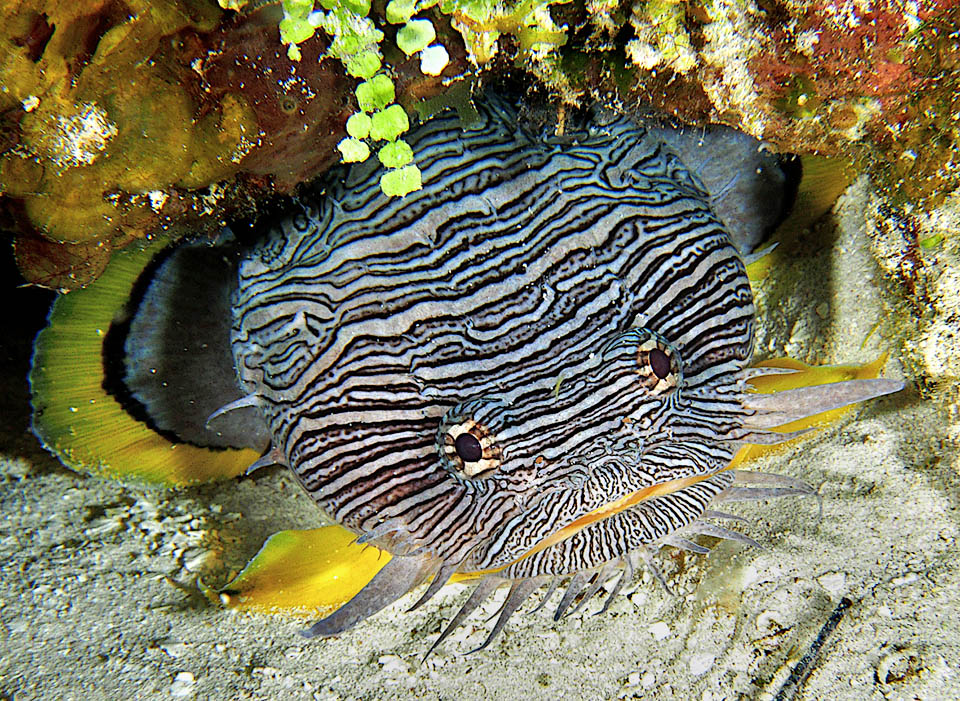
(613, 508)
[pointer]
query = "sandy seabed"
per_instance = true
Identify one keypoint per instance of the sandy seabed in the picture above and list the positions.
(98, 595)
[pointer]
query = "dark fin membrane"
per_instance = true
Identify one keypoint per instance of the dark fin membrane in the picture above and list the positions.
(177, 365)
(751, 188)
(397, 577)
(765, 437)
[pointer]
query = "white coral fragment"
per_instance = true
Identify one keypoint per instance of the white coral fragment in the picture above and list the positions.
(78, 139)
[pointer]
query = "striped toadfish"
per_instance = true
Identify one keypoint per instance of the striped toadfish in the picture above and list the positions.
(533, 370)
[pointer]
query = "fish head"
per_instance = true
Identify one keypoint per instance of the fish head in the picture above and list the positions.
(458, 430)
(559, 455)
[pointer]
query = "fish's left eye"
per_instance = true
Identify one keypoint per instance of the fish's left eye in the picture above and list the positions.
(654, 359)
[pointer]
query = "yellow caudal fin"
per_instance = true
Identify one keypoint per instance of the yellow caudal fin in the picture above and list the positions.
(79, 421)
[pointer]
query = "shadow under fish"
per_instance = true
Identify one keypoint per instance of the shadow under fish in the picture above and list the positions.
(533, 371)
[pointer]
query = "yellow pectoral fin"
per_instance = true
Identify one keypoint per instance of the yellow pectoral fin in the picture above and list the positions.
(310, 572)
(804, 376)
(810, 375)
(79, 421)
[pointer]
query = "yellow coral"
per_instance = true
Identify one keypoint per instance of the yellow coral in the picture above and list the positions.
(107, 116)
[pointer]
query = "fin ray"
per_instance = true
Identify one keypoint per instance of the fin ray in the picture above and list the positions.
(486, 587)
(397, 577)
(598, 580)
(574, 587)
(792, 405)
(520, 591)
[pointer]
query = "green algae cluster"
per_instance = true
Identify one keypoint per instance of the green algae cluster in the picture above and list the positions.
(357, 43)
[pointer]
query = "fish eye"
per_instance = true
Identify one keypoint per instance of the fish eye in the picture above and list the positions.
(657, 365)
(651, 356)
(468, 448)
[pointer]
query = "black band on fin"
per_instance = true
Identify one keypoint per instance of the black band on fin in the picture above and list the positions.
(171, 362)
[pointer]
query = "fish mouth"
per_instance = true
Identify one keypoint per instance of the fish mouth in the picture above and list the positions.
(607, 510)
(775, 418)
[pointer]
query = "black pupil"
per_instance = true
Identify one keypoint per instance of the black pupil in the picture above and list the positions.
(659, 363)
(468, 447)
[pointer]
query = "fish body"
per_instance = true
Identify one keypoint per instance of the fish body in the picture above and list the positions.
(533, 370)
